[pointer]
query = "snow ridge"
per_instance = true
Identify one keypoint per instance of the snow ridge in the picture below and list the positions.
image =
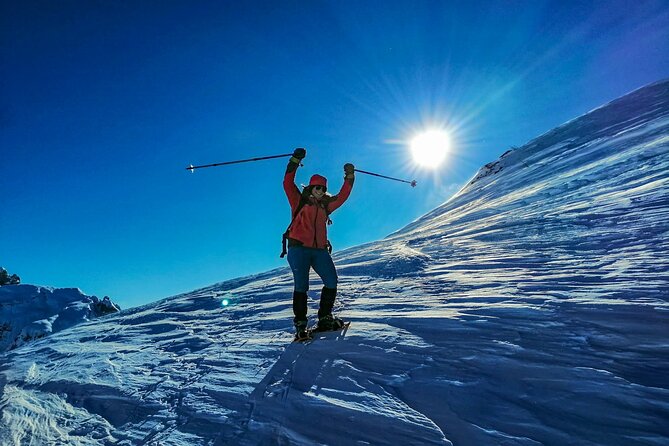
(542, 167)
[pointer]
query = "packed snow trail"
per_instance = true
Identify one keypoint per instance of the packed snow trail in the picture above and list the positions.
(530, 309)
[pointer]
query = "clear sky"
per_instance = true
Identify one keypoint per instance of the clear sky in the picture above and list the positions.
(104, 103)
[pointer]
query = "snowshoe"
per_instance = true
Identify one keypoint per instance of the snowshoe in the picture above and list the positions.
(329, 323)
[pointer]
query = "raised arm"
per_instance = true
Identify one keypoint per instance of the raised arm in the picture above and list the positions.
(289, 186)
(346, 188)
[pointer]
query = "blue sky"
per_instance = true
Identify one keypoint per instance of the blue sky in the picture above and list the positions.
(103, 104)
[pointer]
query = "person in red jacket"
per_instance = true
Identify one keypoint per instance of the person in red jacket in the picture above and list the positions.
(308, 245)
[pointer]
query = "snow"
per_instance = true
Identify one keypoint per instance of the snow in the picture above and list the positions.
(29, 312)
(531, 308)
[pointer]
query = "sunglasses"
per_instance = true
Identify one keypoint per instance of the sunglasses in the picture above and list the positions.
(323, 188)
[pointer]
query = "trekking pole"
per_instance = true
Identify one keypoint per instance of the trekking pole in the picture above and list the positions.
(192, 168)
(412, 182)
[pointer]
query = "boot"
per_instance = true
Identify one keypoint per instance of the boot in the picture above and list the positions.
(299, 306)
(327, 301)
(301, 331)
(326, 321)
(300, 320)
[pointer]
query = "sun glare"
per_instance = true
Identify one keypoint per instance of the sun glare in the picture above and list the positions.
(429, 148)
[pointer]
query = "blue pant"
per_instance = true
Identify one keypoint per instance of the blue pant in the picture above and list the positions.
(302, 259)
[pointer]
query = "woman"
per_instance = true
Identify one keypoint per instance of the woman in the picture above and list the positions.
(308, 245)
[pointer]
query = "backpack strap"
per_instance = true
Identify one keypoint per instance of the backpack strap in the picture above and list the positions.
(301, 204)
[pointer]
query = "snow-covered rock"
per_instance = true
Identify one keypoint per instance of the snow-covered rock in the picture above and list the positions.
(29, 312)
(530, 309)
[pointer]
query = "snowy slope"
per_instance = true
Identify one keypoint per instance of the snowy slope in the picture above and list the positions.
(30, 312)
(531, 308)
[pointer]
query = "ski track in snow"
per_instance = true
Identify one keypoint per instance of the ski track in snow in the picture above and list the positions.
(530, 309)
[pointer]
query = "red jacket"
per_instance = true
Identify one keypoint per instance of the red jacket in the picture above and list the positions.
(310, 226)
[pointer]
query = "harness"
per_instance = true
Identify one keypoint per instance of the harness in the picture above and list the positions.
(303, 202)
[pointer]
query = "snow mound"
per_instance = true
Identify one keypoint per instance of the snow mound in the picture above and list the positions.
(29, 312)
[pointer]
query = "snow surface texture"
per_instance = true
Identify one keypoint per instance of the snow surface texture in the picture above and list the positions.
(531, 308)
(29, 312)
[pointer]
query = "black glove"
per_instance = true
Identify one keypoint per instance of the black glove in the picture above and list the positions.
(299, 153)
(298, 156)
(349, 170)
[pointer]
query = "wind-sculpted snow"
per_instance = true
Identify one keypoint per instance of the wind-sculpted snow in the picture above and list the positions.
(390, 260)
(530, 309)
(29, 312)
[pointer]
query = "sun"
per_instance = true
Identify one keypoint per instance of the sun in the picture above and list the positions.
(429, 149)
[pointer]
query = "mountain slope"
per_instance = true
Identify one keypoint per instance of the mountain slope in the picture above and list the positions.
(529, 309)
